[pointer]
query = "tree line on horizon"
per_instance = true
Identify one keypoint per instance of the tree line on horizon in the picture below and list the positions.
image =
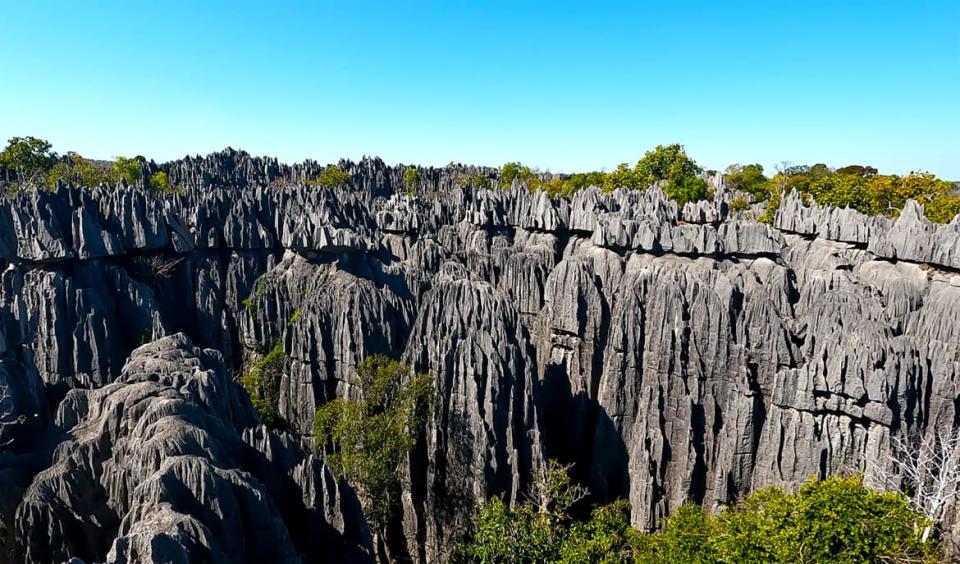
(860, 187)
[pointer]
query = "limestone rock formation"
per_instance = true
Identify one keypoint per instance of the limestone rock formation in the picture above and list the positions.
(669, 354)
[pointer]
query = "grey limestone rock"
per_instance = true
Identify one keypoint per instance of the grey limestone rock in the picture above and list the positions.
(670, 354)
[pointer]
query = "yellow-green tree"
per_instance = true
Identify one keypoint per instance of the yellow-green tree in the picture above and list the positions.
(333, 177)
(262, 382)
(368, 440)
(681, 173)
(31, 158)
(127, 169)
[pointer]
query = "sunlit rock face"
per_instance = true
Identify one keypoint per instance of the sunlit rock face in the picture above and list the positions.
(667, 354)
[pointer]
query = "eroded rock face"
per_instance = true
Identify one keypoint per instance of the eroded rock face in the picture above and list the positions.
(152, 467)
(668, 354)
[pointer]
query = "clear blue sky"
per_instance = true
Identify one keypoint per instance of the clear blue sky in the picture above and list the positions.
(564, 86)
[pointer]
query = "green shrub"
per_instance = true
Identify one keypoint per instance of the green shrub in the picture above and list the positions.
(368, 440)
(411, 177)
(31, 158)
(834, 520)
(739, 204)
(262, 383)
(127, 169)
(332, 177)
(253, 302)
(770, 212)
(687, 189)
(749, 179)
(159, 182)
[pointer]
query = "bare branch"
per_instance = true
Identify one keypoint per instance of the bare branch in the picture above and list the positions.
(926, 470)
(6, 413)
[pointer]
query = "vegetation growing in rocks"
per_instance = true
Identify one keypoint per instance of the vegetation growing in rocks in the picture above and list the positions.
(833, 520)
(856, 186)
(262, 382)
(368, 439)
(411, 177)
(253, 301)
(159, 182)
(860, 187)
(30, 158)
(667, 163)
(333, 177)
(514, 171)
(476, 180)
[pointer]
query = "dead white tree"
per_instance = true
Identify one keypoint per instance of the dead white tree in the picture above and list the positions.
(6, 414)
(553, 492)
(926, 470)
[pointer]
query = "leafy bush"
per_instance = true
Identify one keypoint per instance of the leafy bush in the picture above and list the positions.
(535, 531)
(687, 189)
(159, 182)
(514, 171)
(368, 440)
(127, 169)
(411, 177)
(30, 158)
(253, 302)
(770, 213)
(477, 180)
(862, 189)
(834, 520)
(749, 179)
(262, 383)
(739, 204)
(333, 177)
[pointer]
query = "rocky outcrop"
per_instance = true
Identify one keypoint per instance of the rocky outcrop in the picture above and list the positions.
(669, 354)
(152, 467)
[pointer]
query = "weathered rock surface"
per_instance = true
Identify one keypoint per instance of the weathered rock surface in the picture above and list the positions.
(669, 354)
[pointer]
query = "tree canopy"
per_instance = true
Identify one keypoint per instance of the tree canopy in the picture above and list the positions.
(333, 177)
(29, 157)
(368, 439)
(832, 520)
(262, 382)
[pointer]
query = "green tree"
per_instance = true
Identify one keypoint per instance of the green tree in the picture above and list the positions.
(624, 177)
(31, 158)
(127, 169)
(833, 520)
(75, 169)
(605, 538)
(262, 383)
(857, 170)
(749, 179)
(666, 162)
(477, 180)
(687, 189)
(368, 440)
(681, 173)
(514, 171)
(333, 177)
(411, 177)
(534, 531)
(159, 182)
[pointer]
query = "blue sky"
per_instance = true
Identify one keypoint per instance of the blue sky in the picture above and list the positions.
(565, 86)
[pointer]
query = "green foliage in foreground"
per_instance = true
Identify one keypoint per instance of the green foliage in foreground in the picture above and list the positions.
(369, 439)
(834, 520)
(262, 383)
